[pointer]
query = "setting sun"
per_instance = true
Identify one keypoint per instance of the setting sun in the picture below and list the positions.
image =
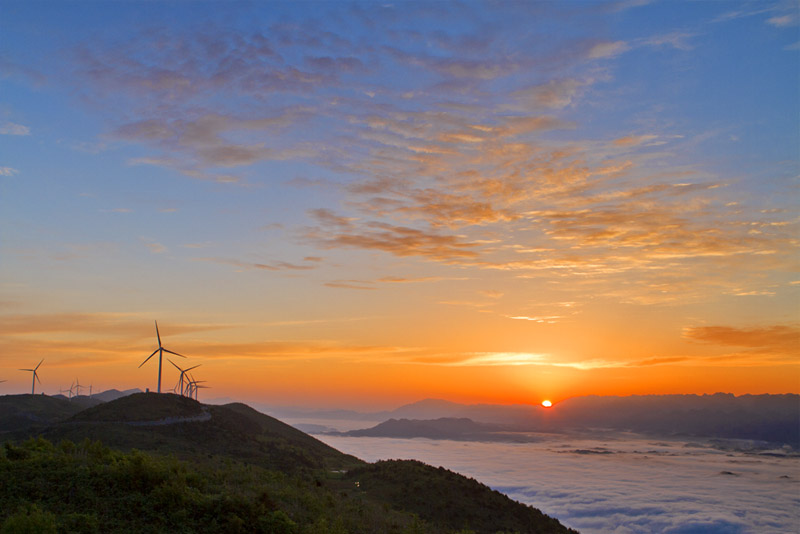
(547, 403)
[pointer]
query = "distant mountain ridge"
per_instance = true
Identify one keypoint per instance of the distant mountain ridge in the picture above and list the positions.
(442, 428)
(770, 418)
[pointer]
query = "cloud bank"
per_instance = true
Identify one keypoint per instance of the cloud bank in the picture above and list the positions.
(621, 485)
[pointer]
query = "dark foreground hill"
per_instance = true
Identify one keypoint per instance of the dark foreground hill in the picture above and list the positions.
(23, 413)
(227, 469)
(169, 423)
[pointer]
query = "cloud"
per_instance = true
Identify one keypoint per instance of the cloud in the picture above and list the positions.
(634, 140)
(286, 350)
(405, 280)
(8, 171)
(462, 159)
(350, 284)
(677, 40)
(783, 21)
(502, 358)
(10, 128)
(549, 319)
(397, 240)
(130, 325)
(457, 67)
(784, 339)
(16, 71)
(313, 263)
(155, 248)
(608, 49)
(641, 485)
(556, 94)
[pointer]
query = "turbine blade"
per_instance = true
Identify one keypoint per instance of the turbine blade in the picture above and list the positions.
(195, 367)
(26, 369)
(37, 366)
(158, 335)
(36, 377)
(175, 353)
(144, 362)
(173, 363)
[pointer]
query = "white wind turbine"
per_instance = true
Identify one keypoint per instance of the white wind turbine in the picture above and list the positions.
(160, 350)
(35, 376)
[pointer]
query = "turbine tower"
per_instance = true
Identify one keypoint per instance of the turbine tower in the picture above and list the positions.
(183, 373)
(160, 350)
(193, 386)
(35, 376)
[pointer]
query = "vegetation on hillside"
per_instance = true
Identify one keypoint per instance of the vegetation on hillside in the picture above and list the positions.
(439, 495)
(23, 412)
(228, 469)
(89, 488)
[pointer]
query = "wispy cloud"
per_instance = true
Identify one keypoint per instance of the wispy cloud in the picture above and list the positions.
(350, 284)
(783, 21)
(8, 171)
(608, 49)
(155, 247)
(11, 128)
(782, 339)
(312, 263)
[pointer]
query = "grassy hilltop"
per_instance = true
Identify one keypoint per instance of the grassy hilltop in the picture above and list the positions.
(155, 463)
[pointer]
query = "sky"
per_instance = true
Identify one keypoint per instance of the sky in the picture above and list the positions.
(366, 204)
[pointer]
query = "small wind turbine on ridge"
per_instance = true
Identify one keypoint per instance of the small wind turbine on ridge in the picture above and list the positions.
(160, 350)
(183, 373)
(193, 386)
(35, 376)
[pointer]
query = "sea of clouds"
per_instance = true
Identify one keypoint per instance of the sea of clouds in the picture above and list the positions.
(620, 484)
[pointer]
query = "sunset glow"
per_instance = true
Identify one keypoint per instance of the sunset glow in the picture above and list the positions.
(547, 403)
(371, 204)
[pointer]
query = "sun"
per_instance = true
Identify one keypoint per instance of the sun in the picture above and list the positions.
(547, 403)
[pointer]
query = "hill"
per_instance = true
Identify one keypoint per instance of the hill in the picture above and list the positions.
(200, 468)
(28, 412)
(440, 495)
(442, 428)
(169, 423)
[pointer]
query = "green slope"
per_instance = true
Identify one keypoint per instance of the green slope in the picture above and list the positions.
(227, 469)
(447, 499)
(26, 412)
(173, 424)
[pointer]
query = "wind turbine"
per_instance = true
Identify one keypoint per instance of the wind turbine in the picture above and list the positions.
(194, 385)
(78, 387)
(183, 372)
(160, 350)
(35, 376)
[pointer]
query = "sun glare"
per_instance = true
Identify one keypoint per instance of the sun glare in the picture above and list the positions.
(547, 403)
